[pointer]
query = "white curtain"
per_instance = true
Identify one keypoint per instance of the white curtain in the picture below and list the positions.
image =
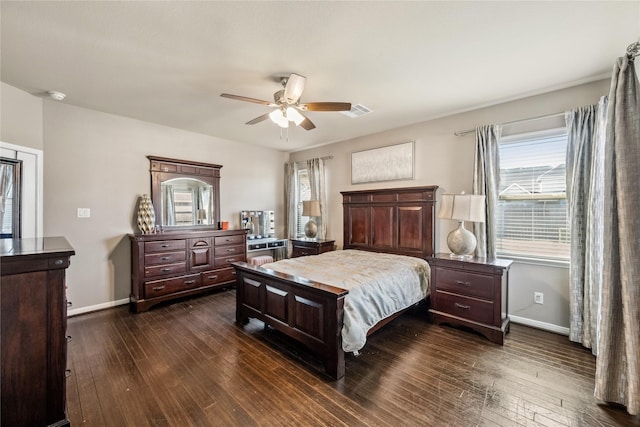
(486, 179)
(618, 361)
(585, 191)
(291, 201)
(315, 169)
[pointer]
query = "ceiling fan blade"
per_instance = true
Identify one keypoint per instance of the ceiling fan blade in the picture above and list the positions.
(244, 98)
(307, 124)
(258, 119)
(294, 88)
(325, 106)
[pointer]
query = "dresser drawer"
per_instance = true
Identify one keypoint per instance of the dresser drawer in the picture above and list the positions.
(468, 308)
(229, 240)
(303, 251)
(222, 262)
(220, 251)
(218, 276)
(161, 270)
(165, 245)
(466, 283)
(157, 288)
(164, 258)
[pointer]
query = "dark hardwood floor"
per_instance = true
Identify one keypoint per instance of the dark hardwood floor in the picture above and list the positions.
(188, 364)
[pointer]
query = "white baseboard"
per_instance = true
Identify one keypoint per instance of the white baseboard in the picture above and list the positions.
(540, 325)
(88, 309)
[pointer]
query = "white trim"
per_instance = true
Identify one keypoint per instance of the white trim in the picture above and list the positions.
(90, 308)
(540, 325)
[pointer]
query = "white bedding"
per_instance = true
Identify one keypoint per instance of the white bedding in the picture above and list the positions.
(379, 285)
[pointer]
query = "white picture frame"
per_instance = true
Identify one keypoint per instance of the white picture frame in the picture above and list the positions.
(389, 163)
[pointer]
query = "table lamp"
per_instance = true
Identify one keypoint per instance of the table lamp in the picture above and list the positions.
(462, 207)
(311, 209)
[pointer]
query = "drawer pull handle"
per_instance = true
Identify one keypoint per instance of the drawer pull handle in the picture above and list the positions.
(158, 288)
(231, 260)
(67, 373)
(462, 306)
(212, 277)
(58, 262)
(165, 270)
(231, 250)
(463, 283)
(164, 246)
(69, 339)
(165, 258)
(189, 282)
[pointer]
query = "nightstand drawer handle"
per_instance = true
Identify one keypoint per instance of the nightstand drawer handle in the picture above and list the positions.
(463, 283)
(189, 282)
(158, 288)
(214, 277)
(465, 307)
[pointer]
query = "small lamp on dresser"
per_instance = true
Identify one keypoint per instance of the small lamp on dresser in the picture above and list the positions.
(311, 209)
(462, 207)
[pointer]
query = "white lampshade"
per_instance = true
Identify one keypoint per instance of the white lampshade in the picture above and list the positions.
(311, 208)
(294, 116)
(462, 207)
(277, 116)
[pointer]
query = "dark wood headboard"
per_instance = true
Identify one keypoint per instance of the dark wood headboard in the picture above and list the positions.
(394, 220)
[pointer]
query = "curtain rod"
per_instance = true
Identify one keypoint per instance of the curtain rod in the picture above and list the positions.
(323, 158)
(546, 116)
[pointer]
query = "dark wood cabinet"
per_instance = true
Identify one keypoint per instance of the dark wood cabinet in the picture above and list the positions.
(171, 265)
(33, 319)
(472, 293)
(311, 247)
(396, 220)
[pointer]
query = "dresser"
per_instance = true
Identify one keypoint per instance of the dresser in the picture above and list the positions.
(472, 293)
(171, 265)
(311, 247)
(33, 322)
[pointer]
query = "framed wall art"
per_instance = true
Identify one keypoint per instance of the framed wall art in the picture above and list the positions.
(390, 163)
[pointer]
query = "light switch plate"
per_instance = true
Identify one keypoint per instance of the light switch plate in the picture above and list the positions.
(84, 213)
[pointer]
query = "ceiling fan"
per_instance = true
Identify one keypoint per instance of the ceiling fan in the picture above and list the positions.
(288, 105)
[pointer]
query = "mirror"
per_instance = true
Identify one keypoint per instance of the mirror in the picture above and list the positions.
(10, 174)
(185, 194)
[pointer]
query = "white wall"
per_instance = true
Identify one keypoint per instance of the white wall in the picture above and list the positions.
(446, 160)
(20, 117)
(98, 161)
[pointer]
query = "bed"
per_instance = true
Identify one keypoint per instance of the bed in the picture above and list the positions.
(310, 307)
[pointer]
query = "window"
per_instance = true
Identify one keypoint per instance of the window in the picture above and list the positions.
(531, 216)
(304, 193)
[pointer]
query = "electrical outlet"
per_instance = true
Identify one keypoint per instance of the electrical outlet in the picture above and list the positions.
(538, 297)
(84, 213)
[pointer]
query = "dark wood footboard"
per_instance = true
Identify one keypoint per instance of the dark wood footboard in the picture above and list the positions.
(309, 312)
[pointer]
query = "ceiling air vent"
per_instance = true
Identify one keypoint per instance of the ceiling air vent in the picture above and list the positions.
(356, 111)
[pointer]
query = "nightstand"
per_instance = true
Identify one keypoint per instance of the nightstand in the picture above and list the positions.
(472, 293)
(306, 247)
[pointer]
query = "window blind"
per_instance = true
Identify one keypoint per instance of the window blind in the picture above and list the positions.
(531, 216)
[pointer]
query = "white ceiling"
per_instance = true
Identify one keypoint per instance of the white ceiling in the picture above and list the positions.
(168, 62)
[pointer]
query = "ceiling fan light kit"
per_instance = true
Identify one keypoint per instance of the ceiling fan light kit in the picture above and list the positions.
(288, 106)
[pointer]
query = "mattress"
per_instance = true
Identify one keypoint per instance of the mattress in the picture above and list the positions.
(379, 285)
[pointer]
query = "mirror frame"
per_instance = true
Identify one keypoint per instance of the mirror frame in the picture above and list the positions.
(163, 169)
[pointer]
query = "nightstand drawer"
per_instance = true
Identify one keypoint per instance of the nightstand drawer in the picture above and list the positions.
(467, 308)
(470, 284)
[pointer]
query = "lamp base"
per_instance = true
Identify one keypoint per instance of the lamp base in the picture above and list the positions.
(461, 242)
(311, 229)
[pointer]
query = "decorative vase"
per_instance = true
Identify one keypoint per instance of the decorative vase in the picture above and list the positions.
(146, 215)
